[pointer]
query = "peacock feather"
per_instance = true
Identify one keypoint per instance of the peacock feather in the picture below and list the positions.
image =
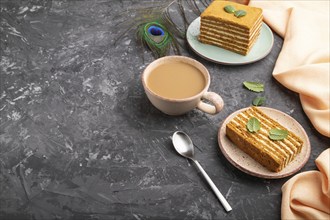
(155, 28)
(156, 36)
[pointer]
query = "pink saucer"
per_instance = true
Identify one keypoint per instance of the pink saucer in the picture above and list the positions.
(248, 165)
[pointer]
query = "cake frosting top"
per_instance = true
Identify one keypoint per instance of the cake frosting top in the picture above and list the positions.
(215, 11)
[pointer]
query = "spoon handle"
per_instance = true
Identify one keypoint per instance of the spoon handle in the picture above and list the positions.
(214, 188)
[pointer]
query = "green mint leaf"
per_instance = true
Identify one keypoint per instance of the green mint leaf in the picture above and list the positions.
(254, 86)
(253, 125)
(240, 13)
(229, 9)
(258, 101)
(278, 134)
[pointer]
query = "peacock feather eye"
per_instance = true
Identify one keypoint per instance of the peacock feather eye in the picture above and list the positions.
(156, 33)
(155, 30)
(156, 37)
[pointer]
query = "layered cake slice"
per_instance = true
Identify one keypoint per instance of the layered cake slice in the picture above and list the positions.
(272, 154)
(231, 26)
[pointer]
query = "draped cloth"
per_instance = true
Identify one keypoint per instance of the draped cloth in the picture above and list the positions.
(307, 195)
(303, 63)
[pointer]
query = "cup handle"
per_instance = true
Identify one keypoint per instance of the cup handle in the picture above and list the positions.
(216, 100)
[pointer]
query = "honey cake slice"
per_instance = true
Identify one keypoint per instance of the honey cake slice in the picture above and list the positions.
(225, 30)
(274, 155)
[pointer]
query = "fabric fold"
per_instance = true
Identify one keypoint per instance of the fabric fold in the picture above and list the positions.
(307, 195)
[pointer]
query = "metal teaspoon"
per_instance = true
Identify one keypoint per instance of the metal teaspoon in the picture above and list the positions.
(184, 146)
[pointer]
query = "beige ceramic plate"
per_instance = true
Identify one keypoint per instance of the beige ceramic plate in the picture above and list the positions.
(248, 165)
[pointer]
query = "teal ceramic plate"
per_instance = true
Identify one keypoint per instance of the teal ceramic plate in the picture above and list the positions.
(215, 54)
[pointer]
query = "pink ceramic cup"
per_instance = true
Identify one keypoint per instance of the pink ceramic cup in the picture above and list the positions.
(181, 106)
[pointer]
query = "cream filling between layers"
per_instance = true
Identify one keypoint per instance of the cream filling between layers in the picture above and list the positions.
(217, 25)
(264, 143)
(229, 37)
(231, 23)
(290, 142)
(226, 47)
(226, 42)
(220, 30)
(262, 137)
(279, 146)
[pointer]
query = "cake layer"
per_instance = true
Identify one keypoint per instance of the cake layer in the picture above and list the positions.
(227, 44)
(233, 48)
(218, 26)
(274, 155)
(228, 36)
(291, 144)
(231, 26)
(224, 41)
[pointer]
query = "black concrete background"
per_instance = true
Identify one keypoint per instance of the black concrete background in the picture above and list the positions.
(80, 140)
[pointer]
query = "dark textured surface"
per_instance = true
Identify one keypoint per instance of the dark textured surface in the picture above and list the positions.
(80, 140)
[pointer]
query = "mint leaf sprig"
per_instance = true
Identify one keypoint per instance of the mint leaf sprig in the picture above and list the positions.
(254, 86)
(278, 134)
(253, 125)
(257, 101)
(229, 9)
(239, 13)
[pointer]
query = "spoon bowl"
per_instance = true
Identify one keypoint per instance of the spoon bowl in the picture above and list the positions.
(184, 146)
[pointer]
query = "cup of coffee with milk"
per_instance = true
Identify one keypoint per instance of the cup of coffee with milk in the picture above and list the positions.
(178, 84)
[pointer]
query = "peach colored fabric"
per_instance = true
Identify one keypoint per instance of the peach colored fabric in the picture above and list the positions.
(303, 63)
(307, 195)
